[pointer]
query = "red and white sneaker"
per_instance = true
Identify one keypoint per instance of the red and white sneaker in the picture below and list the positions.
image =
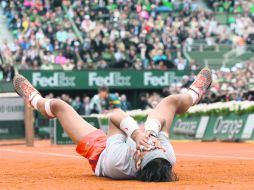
(202, 83)
(24, 88)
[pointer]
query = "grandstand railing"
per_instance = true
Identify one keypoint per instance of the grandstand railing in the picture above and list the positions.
(218, 55)
(216, 47)
(74, 27)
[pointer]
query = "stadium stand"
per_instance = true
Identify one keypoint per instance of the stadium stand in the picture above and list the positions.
(80, 34)
(121, 35)
(56, 35)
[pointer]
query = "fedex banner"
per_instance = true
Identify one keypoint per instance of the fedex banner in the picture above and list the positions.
(61, 80)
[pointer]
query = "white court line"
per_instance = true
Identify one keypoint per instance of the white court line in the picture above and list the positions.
(179, 154)
(40, 153)
(67, 148)
(216, 156)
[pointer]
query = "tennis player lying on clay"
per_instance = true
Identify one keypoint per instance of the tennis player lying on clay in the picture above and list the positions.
(126, 152)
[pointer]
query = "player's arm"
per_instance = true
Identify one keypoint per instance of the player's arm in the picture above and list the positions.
(122, 123)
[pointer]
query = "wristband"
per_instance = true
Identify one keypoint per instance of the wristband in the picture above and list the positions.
(128, 125)
(153, 125)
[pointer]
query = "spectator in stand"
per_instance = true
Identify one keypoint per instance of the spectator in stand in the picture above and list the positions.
(61, 35)
(68, 66)
(61, 59)
(104, 101)
(79, 66)
(66, 98)
(47, 66)
(2, 71)
(125, 104)
(115, 35)
(181, 63)
(154, 99)
(144, 104)
(49, 96)
(85, 107)
(76, 104)
(6, 53)
(9, 73)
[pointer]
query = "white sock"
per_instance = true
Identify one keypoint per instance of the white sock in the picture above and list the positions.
(48, 109)
(194, 96)
(35, 101)
(128, 125)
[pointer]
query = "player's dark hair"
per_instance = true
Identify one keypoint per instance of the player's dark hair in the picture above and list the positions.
(157, 170)
(103, 89)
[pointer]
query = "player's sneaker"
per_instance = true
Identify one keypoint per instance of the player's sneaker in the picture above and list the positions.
(202, 82)
(24, 88)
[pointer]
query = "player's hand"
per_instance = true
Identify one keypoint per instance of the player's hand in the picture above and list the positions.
(143, 141)
(155, 141)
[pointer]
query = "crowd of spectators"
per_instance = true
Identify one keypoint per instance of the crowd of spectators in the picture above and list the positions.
(231, 6)
(233, 84)
(135, 34)
(39, 28)
(240, 20)
(139, 34)
(236, 84)
(84, 106)
(228, 84)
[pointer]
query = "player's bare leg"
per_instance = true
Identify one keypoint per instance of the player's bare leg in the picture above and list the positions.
(74, 125)
(165, 111)
(168, 107)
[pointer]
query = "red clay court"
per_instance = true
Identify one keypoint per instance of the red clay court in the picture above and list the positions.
(200, 165)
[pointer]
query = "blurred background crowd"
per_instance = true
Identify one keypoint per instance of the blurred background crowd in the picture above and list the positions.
(228, 85)
(98, 34)
(124, 34)
(86, 105)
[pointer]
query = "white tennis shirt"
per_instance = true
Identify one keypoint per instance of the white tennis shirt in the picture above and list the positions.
(117, 161)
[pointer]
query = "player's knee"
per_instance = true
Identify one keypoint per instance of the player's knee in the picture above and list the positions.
(172, 100)
(56, 104)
